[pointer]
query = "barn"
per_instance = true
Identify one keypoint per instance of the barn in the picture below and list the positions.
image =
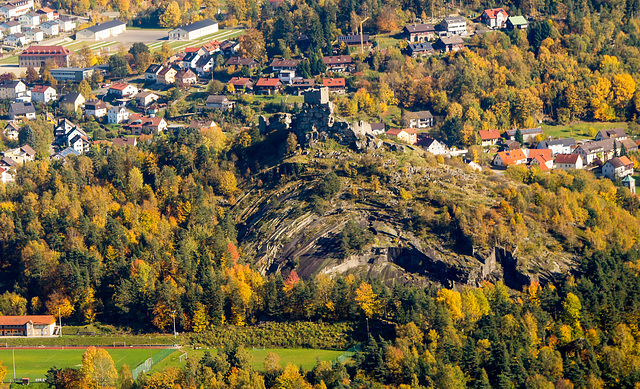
(193, 30)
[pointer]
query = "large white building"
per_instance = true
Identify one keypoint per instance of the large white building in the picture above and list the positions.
(193, 30)
(13, 9)
(102, 31)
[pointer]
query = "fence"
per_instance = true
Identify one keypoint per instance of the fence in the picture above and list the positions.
(346, 355)
(146, 366)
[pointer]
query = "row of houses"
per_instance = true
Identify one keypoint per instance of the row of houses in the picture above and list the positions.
(34, 26)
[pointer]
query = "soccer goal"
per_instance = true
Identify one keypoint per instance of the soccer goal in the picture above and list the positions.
(119, 344)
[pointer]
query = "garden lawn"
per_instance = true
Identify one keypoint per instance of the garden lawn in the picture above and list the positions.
(34, 363)
(580, 130)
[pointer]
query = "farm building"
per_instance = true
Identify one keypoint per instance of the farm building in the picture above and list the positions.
(193, 30)
(102, 31)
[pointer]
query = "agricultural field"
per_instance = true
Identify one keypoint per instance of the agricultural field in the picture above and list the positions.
(34, 363)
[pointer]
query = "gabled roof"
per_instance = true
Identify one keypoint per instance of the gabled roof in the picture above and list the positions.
(421, 46)
(452, 40)
(104, 26)
(240, 61)
(240, 81)
(511, 156)
(419, 115)
(191, 49)
(190, 56)
(70, 97)
(268, 82)
(277, 62)
(334, 82)
(378, 126)
(493, 12)
(525, 131)
(217, 99)
(354, 39)
(22, 320)
(28, 150)
(544, 153)
(567, 142)
(197, 25)
(94, 104)
(22, 108)
(518, 20)
(10, 84)
(612, 133)
(489, 134)
(619, 161)
(397, 131)
(418, 28)
(303, 83)
(153, 69)
(120, 86)
(337, 59)
(125, 141)
(454, 19)
(567, 158)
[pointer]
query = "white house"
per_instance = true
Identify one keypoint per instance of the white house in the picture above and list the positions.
(420, 119)
(50, 28)
(19, 111)
(66, 24)
(102, 31)
(95, 107)
(30, 20)
(568, 161)
(558, 146)
(117, 115)
(495, 17)
(15, 40)
(617, 167)
(43, 94)
(193, 30)
(603, 149)
(12, 26)
(122, 89)
(434, 147)
(11, 131)
(13, 9)
(454, 25)
(12, 89)
(35, 35)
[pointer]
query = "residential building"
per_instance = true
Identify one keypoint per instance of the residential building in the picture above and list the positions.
(193, 30)
(495, 18)
(355, 40)
(128, 141)
(268, 86)
(408, 135)
(117, 115)
(335, 85)
(102, 31)
(338, 63)
(229, 47)
(13, 9)
(36, 56)
(241, 83)
(186, 77)
(151, 74)
(558, 146)
(453, 25)
(602, 149)
(617, 167)
(43, 94)
(511, 157)
(433, 146)
(11, 131)
(12, 89)
(420, 49)
(301, 85)
(614, 133)
(241, 61)
(205, 64)
(219, 102)
(11, 26)
(64, 153)
(122, 89)
(449, 43)
(66, 24)
(146, 125)
(35, 35)
(29, 326)
(47, 14)
(419, 32)
(72, 101)
(167, 75)
(419, 119)
(20, 155)
(628, 144)
(71, 74)
(68, 134)
(517, 23)
(568, 161)
(30, 19)
(284, 64)
(95, 107)
(6, 175)
(489, 137)
(15, 40)
(144, 99)
(528, 134)
(190, 59)
(210, 48)
(378, 128)
(540, 157)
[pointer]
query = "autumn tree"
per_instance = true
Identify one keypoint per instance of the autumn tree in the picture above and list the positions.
(98, 369)
(252, 45)
(171, 16)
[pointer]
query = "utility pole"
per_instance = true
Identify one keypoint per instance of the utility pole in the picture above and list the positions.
(13, 353)
(361, 35)
(173, 316)
(60, 321)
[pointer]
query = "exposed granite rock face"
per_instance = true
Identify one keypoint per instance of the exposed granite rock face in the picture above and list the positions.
(317, 122)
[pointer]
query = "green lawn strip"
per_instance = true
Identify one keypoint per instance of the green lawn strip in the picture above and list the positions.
(307, 358)
(34, 363)
(98, 340)
(580, 130)
(11, 60)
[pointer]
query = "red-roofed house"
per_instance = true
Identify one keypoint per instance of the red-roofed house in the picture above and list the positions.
(146, 125)
(241, 83)
(191, 49)
(123, 89)
(495, 17)
(335, 85)
(43, 94)
(541, 157)
(30, 326)
(568, 161)
(489, 137)
(511, 157)
(408, 135)
(268, 86)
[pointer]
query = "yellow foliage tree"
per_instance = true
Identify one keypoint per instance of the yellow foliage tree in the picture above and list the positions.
(200, 319)
(366, 300)
(452, 301)
(59, 304)
(98, 369)
(171, 16)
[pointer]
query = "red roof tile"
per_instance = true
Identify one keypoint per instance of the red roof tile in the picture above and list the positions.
(334, 82)
(22, 320)
(489, 134)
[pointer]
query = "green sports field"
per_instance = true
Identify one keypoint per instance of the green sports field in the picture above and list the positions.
(34, 363)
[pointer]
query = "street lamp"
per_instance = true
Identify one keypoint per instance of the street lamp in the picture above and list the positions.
(173, 316)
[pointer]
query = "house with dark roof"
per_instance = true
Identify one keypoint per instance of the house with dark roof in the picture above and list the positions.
(194, 30)
(419, 32)
(151, 74)
(453, 25)
(617, 167)
(528, 134)
(102, 31)
(613, 133)
(355, 40)
(71, 101)
(12, 89)
(558, 146)
(603, 150)
(64, 153)
(240, 61)
(338, 63)
(22, 111)
(301, 85)
(449, 43)
(420, 49)
(96, 108)
(284, 64)
(219, 102)
(419, 119)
